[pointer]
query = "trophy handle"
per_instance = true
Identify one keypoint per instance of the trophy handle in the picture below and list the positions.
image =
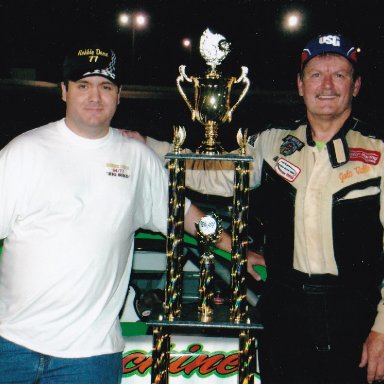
(183, 76)
(243, 78)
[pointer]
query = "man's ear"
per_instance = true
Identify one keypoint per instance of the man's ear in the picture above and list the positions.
(299, 84)
(357, 86)
(63, 91)
(119, 94)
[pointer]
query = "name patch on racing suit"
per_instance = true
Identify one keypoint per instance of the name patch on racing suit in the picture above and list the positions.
(364, 155)
(287, 170)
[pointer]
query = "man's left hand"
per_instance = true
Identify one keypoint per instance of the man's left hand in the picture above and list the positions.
(134, 135)
(373, 356)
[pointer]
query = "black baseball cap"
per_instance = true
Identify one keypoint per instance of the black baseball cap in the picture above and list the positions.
(91, 60)
(329, 43)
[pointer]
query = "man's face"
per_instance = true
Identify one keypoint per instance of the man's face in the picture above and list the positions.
(91, 104)
(328, 87)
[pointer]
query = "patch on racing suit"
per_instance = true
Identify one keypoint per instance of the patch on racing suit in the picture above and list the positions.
(364, 155)
(251, 139)
(287, 170)
(290, 145)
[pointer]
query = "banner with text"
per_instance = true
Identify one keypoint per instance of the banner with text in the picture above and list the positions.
(193, 359)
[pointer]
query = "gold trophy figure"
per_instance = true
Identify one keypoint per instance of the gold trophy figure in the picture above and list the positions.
(208, 229)
(212, 92)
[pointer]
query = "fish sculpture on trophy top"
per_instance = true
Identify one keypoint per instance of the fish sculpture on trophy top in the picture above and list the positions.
(211, 103)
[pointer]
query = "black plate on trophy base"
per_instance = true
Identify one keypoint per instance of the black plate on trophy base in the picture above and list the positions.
(220, 324)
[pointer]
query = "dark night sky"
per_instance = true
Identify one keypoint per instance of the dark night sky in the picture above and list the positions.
(37, 33)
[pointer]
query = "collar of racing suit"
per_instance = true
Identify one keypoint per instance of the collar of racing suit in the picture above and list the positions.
(338, 150)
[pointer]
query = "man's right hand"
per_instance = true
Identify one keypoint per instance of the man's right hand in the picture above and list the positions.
(254, 259)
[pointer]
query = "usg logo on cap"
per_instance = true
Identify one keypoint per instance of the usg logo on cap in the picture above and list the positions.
(329, 43)
(330, 39)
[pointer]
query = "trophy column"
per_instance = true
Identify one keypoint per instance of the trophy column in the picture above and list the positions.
(173, 288)
(238, 309)
(174, 251)
(239, 241)
(208, 229)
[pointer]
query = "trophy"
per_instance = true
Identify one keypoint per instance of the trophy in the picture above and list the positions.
(208, 229)
(211, 106)
(212, 92)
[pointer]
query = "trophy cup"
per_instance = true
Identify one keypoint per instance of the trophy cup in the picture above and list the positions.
(212, 92)
(208, 229)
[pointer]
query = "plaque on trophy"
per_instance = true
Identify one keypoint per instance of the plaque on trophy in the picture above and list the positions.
(211, 104)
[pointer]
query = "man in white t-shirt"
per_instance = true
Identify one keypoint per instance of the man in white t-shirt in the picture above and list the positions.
(72, 195)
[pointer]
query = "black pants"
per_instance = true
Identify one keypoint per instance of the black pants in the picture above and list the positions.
(313, 333)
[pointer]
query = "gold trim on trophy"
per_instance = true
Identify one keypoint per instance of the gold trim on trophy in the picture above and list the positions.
(242, 137)
(179, 136)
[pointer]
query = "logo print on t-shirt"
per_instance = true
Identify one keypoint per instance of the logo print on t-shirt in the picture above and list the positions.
(117, 170)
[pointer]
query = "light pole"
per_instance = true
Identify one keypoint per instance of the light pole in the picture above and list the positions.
(134, 20)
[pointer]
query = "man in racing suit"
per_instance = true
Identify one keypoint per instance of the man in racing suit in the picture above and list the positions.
(319, 196)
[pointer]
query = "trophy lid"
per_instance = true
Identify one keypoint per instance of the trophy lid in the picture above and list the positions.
(214, 48)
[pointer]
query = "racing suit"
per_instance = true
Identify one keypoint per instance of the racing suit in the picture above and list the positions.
(322, 216)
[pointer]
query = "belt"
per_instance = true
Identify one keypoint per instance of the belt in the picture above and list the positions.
(315, 283)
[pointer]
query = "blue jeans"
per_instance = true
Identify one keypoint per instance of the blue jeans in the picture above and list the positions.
(19, 365)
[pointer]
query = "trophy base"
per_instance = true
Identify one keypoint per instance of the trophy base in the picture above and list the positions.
(206, 149)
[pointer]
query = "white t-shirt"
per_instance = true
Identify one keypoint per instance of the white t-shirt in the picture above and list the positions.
(69, 208)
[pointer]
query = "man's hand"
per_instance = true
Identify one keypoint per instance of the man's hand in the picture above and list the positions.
(373, 355)
(194, 215)
(134, 135)
(253, 260)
